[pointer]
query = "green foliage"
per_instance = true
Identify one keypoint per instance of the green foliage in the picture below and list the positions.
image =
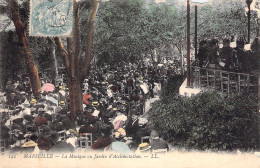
(222, 19)
(118, 25)
(11, 55)
(209, 121)
(126, 29)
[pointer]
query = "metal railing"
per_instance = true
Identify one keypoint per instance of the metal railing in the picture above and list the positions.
(224, 81)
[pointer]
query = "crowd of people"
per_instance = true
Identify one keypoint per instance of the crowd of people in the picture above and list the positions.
(229, 58)
(114, 112)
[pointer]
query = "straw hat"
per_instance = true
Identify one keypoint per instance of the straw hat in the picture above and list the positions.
(33, 101)
(62, 103)
(62, 87)
(143, 147)
(121, 131)
(117, 134)
(95, 103)
(29, 144)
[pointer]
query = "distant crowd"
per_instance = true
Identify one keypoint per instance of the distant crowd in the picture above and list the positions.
(229, 58)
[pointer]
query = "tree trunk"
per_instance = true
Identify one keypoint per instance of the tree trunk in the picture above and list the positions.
(77, 74)
(63, 53)
(31, 68)
(75, 92)
(86, 63)
(76, 106)
(79, 97)
(54, 65)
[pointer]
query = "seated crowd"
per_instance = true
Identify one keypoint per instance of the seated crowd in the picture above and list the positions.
(114, 117)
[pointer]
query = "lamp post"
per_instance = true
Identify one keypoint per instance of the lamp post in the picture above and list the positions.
(248, 2)
(188, 43)
(196, 31)
(188, 36)
(196, 4)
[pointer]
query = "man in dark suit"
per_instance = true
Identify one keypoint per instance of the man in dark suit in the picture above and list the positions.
(241, 57)
(158, 143)
(202, 55)
(226, 55)
(132, 125)
(255, 56)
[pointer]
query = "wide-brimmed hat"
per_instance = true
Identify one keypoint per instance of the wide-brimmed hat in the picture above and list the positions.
(29, 144)
(33, 101)
(95, 103)
(22, 92)
(62, 87)
(117, 134)
(62, 103)
(144, 147)
(121, 131)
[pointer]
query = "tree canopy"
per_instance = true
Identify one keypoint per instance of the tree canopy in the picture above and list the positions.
(128, 29)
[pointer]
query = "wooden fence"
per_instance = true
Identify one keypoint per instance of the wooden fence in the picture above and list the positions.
(224, 81)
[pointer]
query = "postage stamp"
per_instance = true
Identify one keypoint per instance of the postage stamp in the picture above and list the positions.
(51, 17)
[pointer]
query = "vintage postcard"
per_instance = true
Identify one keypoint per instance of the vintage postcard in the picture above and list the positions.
(130, 83)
